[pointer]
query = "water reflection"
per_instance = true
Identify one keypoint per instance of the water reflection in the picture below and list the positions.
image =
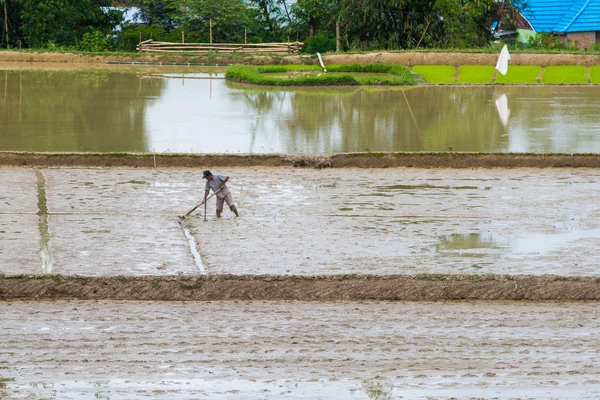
(118, 111)
(478, 244)
(471, 244)
(503, 110)
(74, 110)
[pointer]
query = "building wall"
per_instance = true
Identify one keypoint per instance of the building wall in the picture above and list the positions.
(585, 40)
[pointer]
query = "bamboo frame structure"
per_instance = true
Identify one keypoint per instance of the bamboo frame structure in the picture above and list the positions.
(151, 46)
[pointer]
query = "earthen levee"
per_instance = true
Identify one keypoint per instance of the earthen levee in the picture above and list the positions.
(338, 160)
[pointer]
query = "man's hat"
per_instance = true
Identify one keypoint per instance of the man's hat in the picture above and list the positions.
(206, 173)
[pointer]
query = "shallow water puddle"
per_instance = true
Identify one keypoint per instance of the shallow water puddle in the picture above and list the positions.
(43, 223)
(542, 243)
(522, 243)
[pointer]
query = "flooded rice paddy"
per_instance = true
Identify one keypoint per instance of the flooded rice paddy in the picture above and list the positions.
(106, 222)
(296, 350)
(195, 110)
(103, 222)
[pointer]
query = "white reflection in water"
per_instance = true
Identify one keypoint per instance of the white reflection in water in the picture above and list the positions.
(503, 110)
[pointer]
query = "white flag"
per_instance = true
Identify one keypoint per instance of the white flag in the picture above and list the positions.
(321, 62)
(502, 64)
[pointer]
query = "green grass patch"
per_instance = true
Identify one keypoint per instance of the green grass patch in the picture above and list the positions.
(475, 73)
(312, 75)
(564, 74)
(595, 74)
(519, 74)
(436, 73)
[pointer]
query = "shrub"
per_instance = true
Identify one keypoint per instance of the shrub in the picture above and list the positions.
(131, 36)
(94, 41)
(318, 44)
(550, 42)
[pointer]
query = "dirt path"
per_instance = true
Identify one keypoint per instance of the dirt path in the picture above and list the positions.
(338, 160)
(318, 288)
(257, 350)
(412, 58)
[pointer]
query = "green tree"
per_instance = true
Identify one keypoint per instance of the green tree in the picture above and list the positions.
(160, 13)
(62, 22)
(229, 20)
(466, 23)
(399, 24)
(316, 16)
(9, 17)
(272, 16)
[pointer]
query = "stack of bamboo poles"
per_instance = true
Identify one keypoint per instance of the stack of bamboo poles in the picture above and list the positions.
(151, 46)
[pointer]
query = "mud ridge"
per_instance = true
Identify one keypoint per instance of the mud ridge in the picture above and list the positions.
(338, 160)
(404, 58)
(302, 288)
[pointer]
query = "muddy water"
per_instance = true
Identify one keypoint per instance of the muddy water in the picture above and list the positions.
(166, 111)
(257, 350)
(304, 221)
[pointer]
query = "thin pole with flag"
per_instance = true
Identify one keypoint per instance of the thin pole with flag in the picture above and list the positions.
(502, 64)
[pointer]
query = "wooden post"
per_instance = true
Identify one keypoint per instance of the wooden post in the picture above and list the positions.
(140, 37)
(182, 37)
(337, 36)
(210, 26)
(245, 36)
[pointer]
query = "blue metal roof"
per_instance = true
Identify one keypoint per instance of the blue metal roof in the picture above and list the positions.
(563, 15)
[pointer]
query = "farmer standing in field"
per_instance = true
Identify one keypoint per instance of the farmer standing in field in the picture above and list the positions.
(217, 184)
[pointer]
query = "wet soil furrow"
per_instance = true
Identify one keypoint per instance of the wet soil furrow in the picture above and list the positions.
(304, 288)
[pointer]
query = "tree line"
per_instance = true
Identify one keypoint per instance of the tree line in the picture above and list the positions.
(359, 24)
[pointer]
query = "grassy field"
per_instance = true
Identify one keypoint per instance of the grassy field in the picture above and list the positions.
(482, 74)
(303, 75)
(475, 74)
(595, 74)
(519, 74)
(436, 73)
(564, 74)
